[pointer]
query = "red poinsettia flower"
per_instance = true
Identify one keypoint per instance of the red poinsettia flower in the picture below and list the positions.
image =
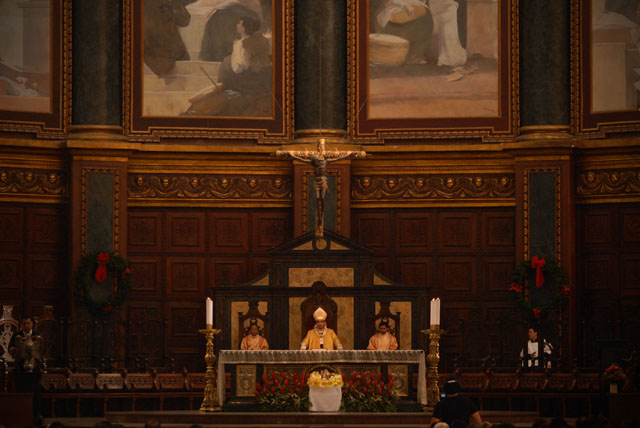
(108, 308)
(515, 287)
(81, 292)
(536, 313)
(565, 290)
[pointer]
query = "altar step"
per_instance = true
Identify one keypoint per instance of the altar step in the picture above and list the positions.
(315, 420)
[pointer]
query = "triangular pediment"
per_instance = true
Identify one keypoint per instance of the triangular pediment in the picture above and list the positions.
(331, 242)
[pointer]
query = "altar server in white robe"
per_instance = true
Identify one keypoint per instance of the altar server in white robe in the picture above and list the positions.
(383, 340)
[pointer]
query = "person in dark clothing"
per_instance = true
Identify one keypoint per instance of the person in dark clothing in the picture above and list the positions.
(455, 407)
(25, 347)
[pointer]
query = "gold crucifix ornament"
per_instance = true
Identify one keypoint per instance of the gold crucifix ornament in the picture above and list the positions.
(319, 160)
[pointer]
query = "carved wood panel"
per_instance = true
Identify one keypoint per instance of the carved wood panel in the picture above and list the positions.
(185, 231)
(270, 229)
(47, 228)
(46, 276)
(458, 274)
(496, 272)
(145, 229)
(498, 231)
(11, 228)
(146, 274)
(373, 230)
(229, 271)
(11, 274)
(415, 270)
(415, 232)
(229, 232)
(185, 318)
(185, 276)
(457, 231)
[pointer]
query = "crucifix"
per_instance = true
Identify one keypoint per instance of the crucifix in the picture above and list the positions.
(319, 160)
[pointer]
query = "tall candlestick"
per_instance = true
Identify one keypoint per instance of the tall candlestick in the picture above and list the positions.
(432, 312)
(209, 307)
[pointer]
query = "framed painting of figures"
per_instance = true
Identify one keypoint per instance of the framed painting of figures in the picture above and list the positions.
(605, 66)
(422, 69)
(34, 66)
(208, 69)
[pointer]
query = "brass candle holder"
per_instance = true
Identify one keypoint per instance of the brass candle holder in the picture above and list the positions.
(210, 402)
(433, 359)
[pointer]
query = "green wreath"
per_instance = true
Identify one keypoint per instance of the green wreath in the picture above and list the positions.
(102, 282)
(540, 269)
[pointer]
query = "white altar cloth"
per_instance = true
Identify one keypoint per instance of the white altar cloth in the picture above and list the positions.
(321, 356)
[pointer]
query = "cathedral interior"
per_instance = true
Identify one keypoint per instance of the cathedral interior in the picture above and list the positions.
(363, 156)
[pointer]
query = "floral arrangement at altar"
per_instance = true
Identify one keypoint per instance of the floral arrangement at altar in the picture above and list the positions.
(369, 393)
(325, 379)
(283, 393)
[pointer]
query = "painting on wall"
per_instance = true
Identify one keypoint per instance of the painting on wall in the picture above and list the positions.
(433, 68)
(208, 68)
(606, 66)
(32, 58)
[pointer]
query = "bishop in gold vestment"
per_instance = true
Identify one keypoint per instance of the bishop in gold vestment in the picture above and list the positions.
(321, 337)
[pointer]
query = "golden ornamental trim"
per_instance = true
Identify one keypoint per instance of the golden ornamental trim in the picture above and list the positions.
(199, 187)
(599, 184)
(433, 187)
(42, 185)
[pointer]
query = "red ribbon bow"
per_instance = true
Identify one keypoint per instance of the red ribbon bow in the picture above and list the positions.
(538, 264)
(101, 272)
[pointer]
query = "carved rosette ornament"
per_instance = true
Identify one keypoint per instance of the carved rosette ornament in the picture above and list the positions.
(144, 186)
(434, 187)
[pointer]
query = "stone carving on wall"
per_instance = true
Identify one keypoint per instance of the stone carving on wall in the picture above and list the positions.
(33, 182)
(617, 183)
(145, 186)
(434, 187)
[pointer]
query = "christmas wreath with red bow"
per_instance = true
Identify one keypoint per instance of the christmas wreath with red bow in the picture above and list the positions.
(102, 282)
(539, 275)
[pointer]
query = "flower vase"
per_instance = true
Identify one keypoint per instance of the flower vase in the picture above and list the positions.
(325, 399)
(613, 388)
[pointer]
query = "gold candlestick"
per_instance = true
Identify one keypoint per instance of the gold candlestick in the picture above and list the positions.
(433, 358)
(210, 401)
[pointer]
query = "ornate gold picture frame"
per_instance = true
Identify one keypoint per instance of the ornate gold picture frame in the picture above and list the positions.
(35, 67)
(208, 69)
(605, 67)
(448, 70)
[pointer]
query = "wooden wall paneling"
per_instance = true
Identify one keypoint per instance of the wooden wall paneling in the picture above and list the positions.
(229, 232)
(415, 271)
(190, 358)
(269, 229)
(258, 265)
(597, 227)
(46, 276)
(630, 223)
(147, 333)
(457, 231)
(185, 318)
(458, 274)
(228, 270)
(498, 231)
(47, 228)
(414, 232)
(495, 271)
(185, 231)
(383, 266)
(185, 276)
(145, 231)
(600, 272)
(630, 275)
(146, 275)
(11, 274)
(11, 228)
(373, 230)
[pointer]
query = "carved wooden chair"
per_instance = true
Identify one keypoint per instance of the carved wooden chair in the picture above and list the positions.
(139, 385)
(109, 385)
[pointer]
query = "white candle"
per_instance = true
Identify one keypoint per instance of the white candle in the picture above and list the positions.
(432, 312)
(209, 307)
(437, 318)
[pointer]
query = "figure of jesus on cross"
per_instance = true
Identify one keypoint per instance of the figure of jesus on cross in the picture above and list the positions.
(319, 160)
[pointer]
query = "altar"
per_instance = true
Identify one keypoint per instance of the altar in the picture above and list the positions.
(246, 368)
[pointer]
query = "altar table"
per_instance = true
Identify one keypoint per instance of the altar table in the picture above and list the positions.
(248, 361)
